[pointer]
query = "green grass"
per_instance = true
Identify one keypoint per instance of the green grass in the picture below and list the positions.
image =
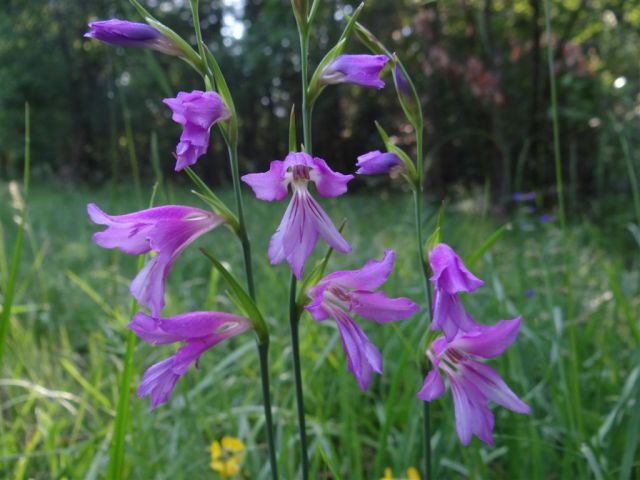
(59, 384)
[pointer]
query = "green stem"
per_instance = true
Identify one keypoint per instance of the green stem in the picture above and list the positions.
(554, 116)
(295, 346)
(307, 108)
(196, 25)
(244, 238)
(417, 203)
(294, 317)
(575, 413)
(263, 352)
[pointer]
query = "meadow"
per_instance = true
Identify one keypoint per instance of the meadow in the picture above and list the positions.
(576, 361)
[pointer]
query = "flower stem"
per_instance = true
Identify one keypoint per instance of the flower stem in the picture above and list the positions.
(417, 204)
(244, 238)
(263, 352)
(294, 320)
(306, 105)
(263, 347)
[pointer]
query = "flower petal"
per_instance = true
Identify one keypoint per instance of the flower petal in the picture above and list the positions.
(372, 274)
(362, 356)
(159, 380)
(489, 342)
(315, 308)
(449, 273)
(450, 316)
(328, 183)
(187, 326)
(270, 185)
(324, 226)
(148, 286)
(361, 70)
(376, 162)
(432, 387)
(378, 307)
(472, 413)
(489, 382)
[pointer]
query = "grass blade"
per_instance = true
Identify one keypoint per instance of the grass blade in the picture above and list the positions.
(5, 316)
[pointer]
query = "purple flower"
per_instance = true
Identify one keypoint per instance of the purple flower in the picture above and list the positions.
(196, 111)
(352, 292)
(131, 34)
(546, 218)
(450, 277)
(199, 330)
(304, 220)
(524, 197)
(473, 383)
(376, 162)
(165, 230)
(360, 70)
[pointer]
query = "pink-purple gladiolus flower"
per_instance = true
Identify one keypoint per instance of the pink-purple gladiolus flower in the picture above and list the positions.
(472, 382)
(450, 277)
(199, 330)
(304, 220)
(166, 230)
(196, 111)
(360, 70)
(376, 162)
(131, 34)
(345, 293)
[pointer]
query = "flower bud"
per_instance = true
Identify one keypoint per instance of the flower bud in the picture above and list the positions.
(131, 34)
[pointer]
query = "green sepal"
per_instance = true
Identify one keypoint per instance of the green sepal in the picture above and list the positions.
(300, 11)
(487, 244)
(315, 87)
(314, 10)
(223, 90)
(411, 175)
(216, 204)
(435, 236)
(293, 142)
(371, 41)
(410, 105)
(315, 275)
(242, 300)
(346, 33)
(190, 55)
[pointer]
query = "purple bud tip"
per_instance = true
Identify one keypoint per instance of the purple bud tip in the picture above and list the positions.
(131, 34)
(376, 162)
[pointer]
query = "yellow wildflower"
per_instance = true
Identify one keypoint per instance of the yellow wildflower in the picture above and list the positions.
(412, 474)
(226, 456)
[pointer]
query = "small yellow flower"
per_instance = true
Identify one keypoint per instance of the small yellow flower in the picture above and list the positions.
(226, 456)
(388, 474)
(412, 474)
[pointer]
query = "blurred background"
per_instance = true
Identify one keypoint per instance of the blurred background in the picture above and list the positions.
(479, 65)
